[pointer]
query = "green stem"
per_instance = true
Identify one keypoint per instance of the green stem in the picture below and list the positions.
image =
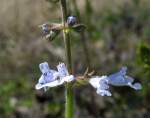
(69, 102)
(69, 90)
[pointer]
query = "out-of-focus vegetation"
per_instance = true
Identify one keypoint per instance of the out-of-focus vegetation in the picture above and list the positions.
(118, 33)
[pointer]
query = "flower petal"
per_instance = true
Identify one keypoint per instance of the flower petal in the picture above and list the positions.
(62, 70)
(95, 81)
(68, 78)
(103, 92)
(123, 70)
(129, 79)
(103, 84)
(41, 80)
(118, 77)
(44, 67)
(48, 77)
(50, 84)
(136, 86)
(117, 80)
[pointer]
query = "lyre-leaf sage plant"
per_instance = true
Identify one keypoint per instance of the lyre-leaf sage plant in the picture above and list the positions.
(64, 73)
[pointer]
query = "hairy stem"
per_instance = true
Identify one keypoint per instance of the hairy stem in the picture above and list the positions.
(69, 90)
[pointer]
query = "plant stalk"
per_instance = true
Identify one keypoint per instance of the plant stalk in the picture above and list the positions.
(67, 43)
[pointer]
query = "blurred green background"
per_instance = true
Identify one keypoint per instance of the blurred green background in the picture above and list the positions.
(118, 34)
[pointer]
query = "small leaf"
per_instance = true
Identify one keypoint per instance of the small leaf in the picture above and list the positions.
(79, 27)
(52, 35)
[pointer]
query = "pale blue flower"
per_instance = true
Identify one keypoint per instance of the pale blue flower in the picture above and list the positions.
(101, 83)
(52, 78)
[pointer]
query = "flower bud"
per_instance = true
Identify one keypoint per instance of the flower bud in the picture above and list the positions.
(45, 28)
(71, 20)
